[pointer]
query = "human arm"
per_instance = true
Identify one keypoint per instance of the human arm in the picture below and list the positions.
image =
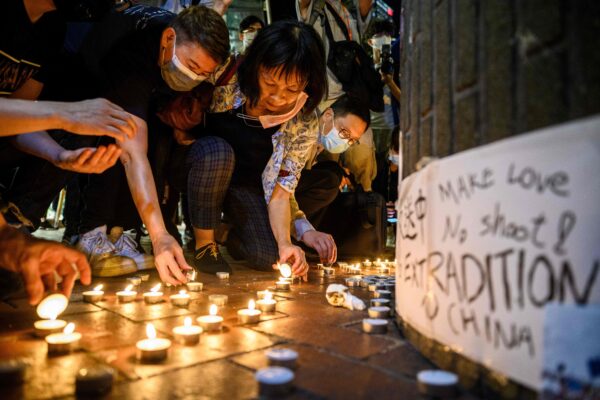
(388, 79)
(97, 117)
(321, 242)
(221, 6)
(168, 255)
(38, 260)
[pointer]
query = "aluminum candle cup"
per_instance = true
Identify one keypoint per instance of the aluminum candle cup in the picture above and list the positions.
(382, 294)
(437, 383)
(49, 309)
(127, 295)
(211, 322)
(46, 327)
(286, 358)
(223, 275)
(195, 286)
(380, 312)
(266, 305)
(94, 381)
(93, 296)
(380, 302)
(376, 286)
(12, 372)
(249, 315)
(152, 349)
(328, 271)
(219, 300)
(274, 381)
(154, 295)
(263, 294)
(181, 299)
(187, 334)
(283, 286)
(374, 325)
(65, 342)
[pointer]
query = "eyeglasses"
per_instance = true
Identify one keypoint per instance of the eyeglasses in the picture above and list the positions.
(346, 135)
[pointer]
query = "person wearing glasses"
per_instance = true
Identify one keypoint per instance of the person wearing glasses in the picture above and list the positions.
(253, 147)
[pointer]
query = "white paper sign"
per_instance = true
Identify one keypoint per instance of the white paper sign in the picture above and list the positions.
(488, 237)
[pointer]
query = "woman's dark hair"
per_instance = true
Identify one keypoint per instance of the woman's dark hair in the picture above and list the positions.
(198, 24)
(249, 21)
(346, 104)
(296, 48)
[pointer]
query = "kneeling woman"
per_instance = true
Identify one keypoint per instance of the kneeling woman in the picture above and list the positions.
(248, 159)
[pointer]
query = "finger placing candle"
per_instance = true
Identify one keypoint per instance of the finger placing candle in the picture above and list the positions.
(211, 322)
(127, 295)
(152, 349)
(65, 342)
(249, 315)
(154, 295)
(187, 334)
(93, 296)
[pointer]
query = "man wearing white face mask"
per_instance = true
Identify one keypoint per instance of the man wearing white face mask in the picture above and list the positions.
(133, 56)
(249, 28)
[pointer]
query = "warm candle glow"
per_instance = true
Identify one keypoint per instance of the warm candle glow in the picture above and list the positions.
(194, 275)
(155, 288)
(187, 321)
(150, 331)
(182, 292)
(268, 295)
(251, 305)
(213, 309)
(70, 328)
(128, 288)
(99, 287)
(285, 270)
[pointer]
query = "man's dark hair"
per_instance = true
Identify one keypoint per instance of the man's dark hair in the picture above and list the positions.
(250, 20)
(346, 104)
(198, 24)
(292, 45)
(382, 26)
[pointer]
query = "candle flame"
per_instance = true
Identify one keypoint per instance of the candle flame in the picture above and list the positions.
(213, 309)
(285, 270)
(193, 275)
(155, 288)
(187, 321)
(182, 292)
(268, 295)
(150, 331)
(99, 287)
(128, 288)
(70, 328)
(251, 305)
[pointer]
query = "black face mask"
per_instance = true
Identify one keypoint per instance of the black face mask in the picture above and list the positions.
(83, 10)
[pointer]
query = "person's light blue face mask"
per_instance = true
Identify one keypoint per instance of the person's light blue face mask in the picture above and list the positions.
(333, 143)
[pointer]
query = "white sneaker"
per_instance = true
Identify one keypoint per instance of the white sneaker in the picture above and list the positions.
(102, 254)
(125, 245)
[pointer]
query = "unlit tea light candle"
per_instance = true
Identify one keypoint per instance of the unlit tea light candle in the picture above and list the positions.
(136, 281)
(286, 358)
(267, 304)
(127, 295)
(94, 381)
(380, 302)
(93, 296)
(437, 383)
(49, 309)
(12, 372)
(380, 312)
(223, 275)
(382, 294)
(195, 286)
(154, 295)
(65, 342)
(274, 381)
(181, 299)
(187, 334)
(249, 315)
(152, 349)
(211, 322)
(374, 325)
(218, 299)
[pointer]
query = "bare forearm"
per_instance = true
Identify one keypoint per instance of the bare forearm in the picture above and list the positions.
(280, 220)
(394, 89)
(39, 144)
(24, 116)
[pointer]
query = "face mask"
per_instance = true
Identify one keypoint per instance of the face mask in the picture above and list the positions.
(333, 143)
(377, 42)
(394, 158)
(269, 121)
(179, 77)
(247, 38)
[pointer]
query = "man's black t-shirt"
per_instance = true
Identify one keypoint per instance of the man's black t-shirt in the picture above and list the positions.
(252, 145)
(121, 56)
(26, 48)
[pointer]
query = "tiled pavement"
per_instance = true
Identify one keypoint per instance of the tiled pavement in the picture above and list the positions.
(336, 360)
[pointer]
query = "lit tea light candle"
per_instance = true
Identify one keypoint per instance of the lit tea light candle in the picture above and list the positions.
(152, 349)
(282, 285)
(380, 312)
(380, 302)
(267, 304)
(195, 286)
(65, 342)
(49, 309)
(367, 263)
(211, 322)
(382, 294)
(94, 381)
(261, 294)
(249, 315)
(93, 296)
(218, 299)
(136, 281)
(127, 295)
(181, 299)
(223, 275)
(282, 358)
(154, 295)
(187, 334)
(374, 325)
(437, 383)
(274, 382)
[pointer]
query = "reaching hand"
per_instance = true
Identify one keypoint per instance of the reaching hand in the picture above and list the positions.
(323, 243)
(294, 255)
(89, 160)
(39, 260)
(221, 6)
(169, 259)
(97, 117)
